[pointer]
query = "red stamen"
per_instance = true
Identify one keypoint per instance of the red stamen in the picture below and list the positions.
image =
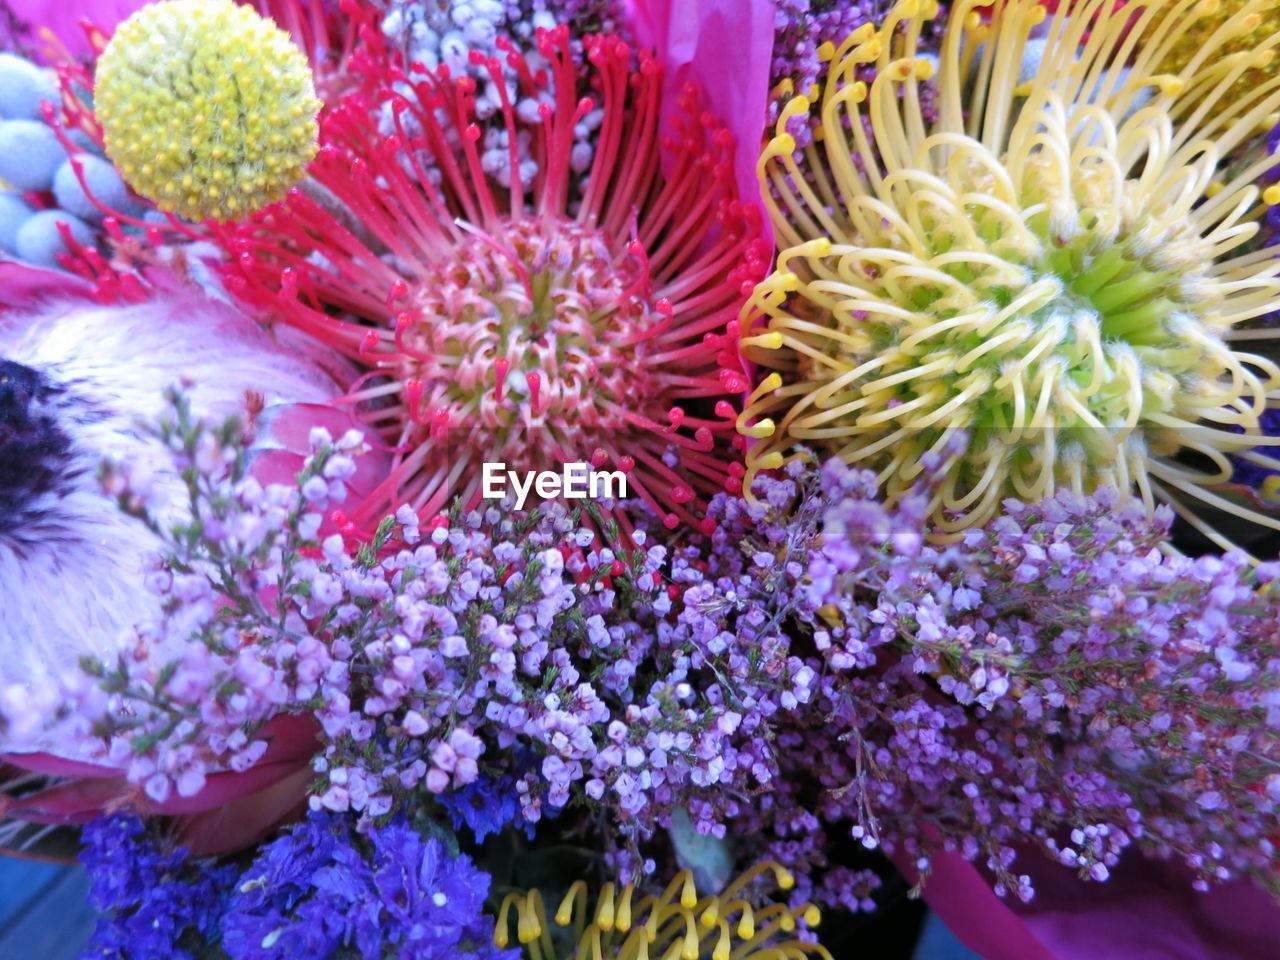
(404, 321)
(534, 379)
(500, 368)
(413, 390)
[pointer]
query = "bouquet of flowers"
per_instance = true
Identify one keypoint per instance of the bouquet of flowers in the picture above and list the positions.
(634, 479)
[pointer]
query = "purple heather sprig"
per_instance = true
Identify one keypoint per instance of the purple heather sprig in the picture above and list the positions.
(502, 644)
(1057, 674)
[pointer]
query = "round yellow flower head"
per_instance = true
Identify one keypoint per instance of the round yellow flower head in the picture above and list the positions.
(207, 108)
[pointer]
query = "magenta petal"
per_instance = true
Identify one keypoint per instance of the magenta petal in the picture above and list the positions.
(290, 736)
(288, 425)
(223, 788)
(55, 766)
(1148, 911)
(275, 466)
(962, 897)
(291, 742)
(246, 820)
(162, 279)
(62, 18)
(1145, 911)
(74, 802)
(283, 441)
(22, 285)
(725, 47)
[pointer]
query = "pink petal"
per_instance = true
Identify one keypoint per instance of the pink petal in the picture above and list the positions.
(56, 766)
(291, 743)
(22, 285)
(246, 820)
(283, 441)
(983, 922)
(62, 18)
(725, 47)
(1145, 911)
(74, 802)
(288, 425)
(223, 788)
(1148, 911)
(275, 466)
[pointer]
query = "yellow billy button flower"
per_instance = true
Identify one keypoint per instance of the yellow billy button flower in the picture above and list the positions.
(1050, 268)
(207, 108)
(677, 925)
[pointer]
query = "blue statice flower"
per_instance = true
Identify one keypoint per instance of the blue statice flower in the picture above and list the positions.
(1246, 471)
(485, 807)
(322, 890)
(152, 904)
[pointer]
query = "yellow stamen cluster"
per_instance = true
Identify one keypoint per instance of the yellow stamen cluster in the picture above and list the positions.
(1046, 269)
(207, 108)
(676, 925)
(1233, 30)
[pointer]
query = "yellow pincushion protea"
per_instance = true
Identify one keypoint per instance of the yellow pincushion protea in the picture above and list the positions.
(1199, 22)
(1052, 268)
(677, 925)
(207, 108)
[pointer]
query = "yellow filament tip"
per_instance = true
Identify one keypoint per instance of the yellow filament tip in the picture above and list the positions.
(688, 893)
(1167, 84)
(604, 912)
(901, 70)
(766, 341)
(795, 107)
(623, 920)
(761, 430)
(863, 33)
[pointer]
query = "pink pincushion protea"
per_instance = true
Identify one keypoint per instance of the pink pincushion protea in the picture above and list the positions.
(531, 316)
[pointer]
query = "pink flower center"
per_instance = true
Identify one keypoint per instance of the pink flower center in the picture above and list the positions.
(512, 299)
